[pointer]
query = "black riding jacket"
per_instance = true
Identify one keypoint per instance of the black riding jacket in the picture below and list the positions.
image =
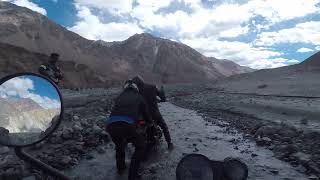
(150, 93)
(131, 104)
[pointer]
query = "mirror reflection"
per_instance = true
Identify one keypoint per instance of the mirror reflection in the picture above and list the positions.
(29, 107)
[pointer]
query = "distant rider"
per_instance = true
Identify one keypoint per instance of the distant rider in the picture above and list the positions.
(150, 93)
(121, 125)
(51, 70)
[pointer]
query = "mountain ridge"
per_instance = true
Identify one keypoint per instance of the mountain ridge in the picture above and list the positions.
(156, 59)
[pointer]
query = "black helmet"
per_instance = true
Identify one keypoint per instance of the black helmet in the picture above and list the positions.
(130, 85)
(138, 81)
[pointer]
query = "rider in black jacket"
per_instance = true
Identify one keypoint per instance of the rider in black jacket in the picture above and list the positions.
(150, 93)
(121, 125)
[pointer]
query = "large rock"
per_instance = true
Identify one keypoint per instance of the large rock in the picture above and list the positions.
(266, 131)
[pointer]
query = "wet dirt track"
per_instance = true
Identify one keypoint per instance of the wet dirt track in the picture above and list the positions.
(190, 134)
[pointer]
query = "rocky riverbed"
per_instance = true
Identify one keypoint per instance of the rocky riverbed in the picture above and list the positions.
(81, 146)
(292, 138)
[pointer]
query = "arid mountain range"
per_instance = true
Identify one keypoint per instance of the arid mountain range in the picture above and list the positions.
(156, 59)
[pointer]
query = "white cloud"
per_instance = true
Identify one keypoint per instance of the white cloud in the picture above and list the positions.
(201, 23)
(304, 50)
(21, 87)
(293, 61)
(239, 52)
(317, 48)
(203, 27)
(116, 6)
(277, 10)
(307, 32)
(90, 27)
(29, 5)
(154, 4)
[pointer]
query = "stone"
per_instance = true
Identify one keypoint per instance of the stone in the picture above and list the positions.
(65, 160)
(4, 131)
(266, 131)
(287, 149)
(76, 117)
(89, 156)
(263, 141)
(29, 178)
(67, 133)
(313, 167)
(302, 157)
(254, 155)
(100, 150)
(274, 171)
(313, 177)
(76, 127)
(4, 150)
(96, 129)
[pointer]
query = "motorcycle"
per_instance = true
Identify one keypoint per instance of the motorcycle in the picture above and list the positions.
(152, 134)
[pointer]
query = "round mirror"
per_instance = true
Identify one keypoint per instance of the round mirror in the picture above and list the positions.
(194, 167)
(30, 109)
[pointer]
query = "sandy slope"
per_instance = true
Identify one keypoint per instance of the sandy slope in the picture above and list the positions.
(191, 134)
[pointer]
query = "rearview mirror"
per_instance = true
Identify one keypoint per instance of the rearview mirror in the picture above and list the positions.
(30, 109)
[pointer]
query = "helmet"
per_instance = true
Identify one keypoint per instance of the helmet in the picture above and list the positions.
(130, 85)
(138, 81)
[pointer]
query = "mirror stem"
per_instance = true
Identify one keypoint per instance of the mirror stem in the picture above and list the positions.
(37, 163)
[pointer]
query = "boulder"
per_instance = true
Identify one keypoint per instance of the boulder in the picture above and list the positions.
(266, 131)
(265, 141)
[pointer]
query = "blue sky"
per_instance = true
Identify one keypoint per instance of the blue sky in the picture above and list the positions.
(33, 87)
(43, 88)
(255, 33)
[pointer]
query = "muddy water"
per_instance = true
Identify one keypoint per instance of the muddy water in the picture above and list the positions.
(190, 134)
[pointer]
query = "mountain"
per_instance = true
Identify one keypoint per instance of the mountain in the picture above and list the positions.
(6, 109)
(24, 104)
(229, 68)
(299, 79)
(25, 115)
(157, 60)
(16, 59)
(313, 60)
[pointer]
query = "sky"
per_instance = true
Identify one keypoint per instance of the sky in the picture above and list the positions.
(33, 87)
(255, 33)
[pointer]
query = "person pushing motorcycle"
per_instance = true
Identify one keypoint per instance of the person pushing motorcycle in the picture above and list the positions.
(150, 93)
(121, 125)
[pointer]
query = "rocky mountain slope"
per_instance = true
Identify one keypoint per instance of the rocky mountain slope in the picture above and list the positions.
(300, 79)
(25, 115)
(158, 60)
(15, 59)
(24, 104)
